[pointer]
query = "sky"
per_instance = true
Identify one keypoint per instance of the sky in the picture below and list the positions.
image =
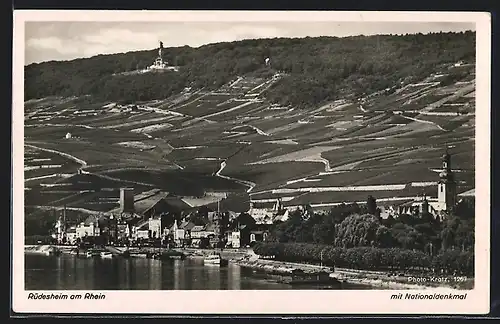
(64, 40)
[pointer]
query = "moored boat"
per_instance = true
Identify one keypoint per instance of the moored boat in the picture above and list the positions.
(215, 259)
(169, 255)
(92, 253)
(106, 255)
(75, 252)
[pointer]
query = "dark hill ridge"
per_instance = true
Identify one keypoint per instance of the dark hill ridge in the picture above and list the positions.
(319, 69)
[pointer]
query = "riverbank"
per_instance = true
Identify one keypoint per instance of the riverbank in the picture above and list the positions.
(229, 254)
(248, 259)
(383, 280)
(46, 249)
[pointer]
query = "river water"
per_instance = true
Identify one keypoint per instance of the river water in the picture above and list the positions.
(68, 272)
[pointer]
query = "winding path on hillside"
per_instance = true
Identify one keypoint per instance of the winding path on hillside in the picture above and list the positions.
(66, 155)
(345, 166)
(100, 175)
(423, 121)
(60, 125)
(84, 165)
(83, 210)
(249, 184)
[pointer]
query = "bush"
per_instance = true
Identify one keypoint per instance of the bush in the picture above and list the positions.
(454, 262)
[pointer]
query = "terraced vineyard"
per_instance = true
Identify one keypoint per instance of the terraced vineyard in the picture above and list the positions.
(78, 151)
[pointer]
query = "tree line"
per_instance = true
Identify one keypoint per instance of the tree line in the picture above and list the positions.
(371, 258)
(318, 69)
(354, 225)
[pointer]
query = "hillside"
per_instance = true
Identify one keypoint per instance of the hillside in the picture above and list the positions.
(319, 147)
(318, 69)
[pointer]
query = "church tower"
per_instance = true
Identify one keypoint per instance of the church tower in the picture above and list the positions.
(446, 185)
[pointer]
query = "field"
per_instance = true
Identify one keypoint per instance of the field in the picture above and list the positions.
(233, 140)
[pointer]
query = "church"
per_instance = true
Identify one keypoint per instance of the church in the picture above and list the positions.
(446, 195)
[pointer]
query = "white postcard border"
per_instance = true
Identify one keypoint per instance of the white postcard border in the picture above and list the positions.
(255, 301)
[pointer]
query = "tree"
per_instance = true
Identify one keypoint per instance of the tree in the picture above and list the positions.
(465, 209)
(407, 237)
(371, 205)
(324, 232)
(357, 230)
(384, 237)
(320, 69)
(204, 243)
(243, 219)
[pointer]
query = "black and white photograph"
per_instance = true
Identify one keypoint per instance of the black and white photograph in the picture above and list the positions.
(273, 152)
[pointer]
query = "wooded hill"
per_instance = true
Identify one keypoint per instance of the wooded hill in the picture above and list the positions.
(319, 69)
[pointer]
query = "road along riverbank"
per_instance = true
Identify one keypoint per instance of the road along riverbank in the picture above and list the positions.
(384, 280)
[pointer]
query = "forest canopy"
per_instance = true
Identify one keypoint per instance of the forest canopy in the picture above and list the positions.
(318, 69)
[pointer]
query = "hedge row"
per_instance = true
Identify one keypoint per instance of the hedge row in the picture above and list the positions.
(370, 258)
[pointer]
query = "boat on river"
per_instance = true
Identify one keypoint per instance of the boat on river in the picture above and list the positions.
(168, 255)
(92, 253)
(106, 255)
(215, 259)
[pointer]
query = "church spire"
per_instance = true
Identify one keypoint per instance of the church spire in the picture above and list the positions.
(446, 173)
(446, 185)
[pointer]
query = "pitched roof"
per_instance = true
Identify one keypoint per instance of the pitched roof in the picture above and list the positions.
(177, 204)
(406, 203)
(144, 225)
(236, 203)
(134, 221)
(281, 212)
(91, 219)
(263, 205)
(143, 205)
(145, 201)
(468, 193)
(198, 228)
(210, 228)
(188, 226)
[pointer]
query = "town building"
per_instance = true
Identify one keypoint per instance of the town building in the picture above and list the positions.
(140, 231)
(152, 214)
(268, 212)
(155, 228)
(258, 235)
(60, 231)
(88, 228)
(199, 232)
(245, 235)
(181, 233)
(70, 235)
(123, 232)
(127, 200)
(244, 230)
(235, 239)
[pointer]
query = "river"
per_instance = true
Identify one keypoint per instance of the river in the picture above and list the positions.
(68, 272)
